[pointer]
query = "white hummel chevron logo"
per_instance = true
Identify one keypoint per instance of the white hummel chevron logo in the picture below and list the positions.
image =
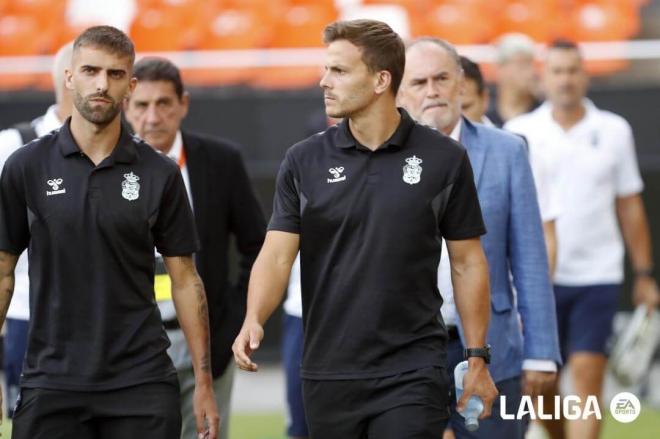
(55, 183)
(336, 172)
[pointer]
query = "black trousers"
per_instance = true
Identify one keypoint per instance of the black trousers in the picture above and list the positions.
(411, 405)
(144, 411)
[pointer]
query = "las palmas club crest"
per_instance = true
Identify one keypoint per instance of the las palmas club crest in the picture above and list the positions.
(130, 188)
(412, 172)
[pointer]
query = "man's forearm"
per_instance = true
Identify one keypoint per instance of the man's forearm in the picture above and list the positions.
(472, 297)
(193, 314)
(268, 283)
(7, 265)
(550, 245)
(635, 231)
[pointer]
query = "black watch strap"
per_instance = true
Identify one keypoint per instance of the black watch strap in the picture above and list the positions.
(478, 352)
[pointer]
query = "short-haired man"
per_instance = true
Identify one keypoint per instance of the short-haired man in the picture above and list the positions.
(524, 359)
(599, 186)
(367, 202)
(92, 202)
(475, 99)
(516, 85)
(18, 314)
(223, 204)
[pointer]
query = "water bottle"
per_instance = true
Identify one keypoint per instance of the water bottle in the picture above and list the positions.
(474, 406)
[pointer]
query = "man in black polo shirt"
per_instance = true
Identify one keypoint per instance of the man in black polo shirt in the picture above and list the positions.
(368, 202)
(91, 202)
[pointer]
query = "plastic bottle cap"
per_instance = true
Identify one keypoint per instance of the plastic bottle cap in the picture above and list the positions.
(472, 424)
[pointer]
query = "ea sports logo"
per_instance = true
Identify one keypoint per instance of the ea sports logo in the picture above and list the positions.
(625, 407)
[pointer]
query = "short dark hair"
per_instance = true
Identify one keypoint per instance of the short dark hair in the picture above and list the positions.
(472, 71)
(382, 48)
(107, 38)
(159, 69)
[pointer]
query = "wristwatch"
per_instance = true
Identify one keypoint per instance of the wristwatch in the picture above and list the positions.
(478, 352)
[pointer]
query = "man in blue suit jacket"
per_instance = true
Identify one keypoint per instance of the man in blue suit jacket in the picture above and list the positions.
(524, 356)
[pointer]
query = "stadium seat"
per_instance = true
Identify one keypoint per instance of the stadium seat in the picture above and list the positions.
(414, 8)
(457, 22)
(188, 12)
(22, 35)
(244, 28)
(301, 26)
(603, 21)
(157, 30)
(540, 20)
(45, 12)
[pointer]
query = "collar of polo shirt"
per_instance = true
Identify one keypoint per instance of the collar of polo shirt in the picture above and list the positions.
(124, 151)
(344, 138)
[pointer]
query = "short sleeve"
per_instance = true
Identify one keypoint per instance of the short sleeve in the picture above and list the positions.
(14, 228)
(628, 179)
(287, 202)
(10, 141)
(462, 217)
(174, 230)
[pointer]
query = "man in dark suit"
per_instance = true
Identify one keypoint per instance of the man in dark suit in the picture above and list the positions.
(223, 203)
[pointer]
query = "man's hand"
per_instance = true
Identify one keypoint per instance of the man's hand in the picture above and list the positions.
(248, 341)
(645, 290)
(536, 382)
(477, 381)
(205, 409)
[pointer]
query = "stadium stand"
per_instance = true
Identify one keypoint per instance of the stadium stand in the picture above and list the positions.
(38, 27)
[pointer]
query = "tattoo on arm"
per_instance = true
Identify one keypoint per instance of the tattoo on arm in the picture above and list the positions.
(185, 276)
(203, 312)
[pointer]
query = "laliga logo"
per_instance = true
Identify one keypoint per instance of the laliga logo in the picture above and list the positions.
(625, 407)
(568, 407)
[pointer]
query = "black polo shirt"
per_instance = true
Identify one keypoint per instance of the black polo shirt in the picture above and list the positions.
(90, 232)
(370, 226)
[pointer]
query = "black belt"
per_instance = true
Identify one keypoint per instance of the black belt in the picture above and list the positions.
(171, 324)
(452, 332)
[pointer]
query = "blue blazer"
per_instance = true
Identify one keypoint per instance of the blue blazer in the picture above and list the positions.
(515, 248)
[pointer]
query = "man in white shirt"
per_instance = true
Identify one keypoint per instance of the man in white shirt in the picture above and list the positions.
(599, 186)
(18, 314)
